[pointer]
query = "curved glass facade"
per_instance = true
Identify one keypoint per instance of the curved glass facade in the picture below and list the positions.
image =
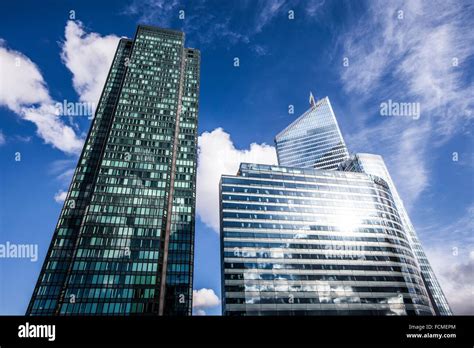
(312, 242)
(375, 165)
(313, 140)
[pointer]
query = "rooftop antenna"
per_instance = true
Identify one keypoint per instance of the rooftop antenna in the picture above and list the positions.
(312, 102)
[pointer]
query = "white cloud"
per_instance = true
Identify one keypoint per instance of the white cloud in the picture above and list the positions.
(22, 83)
(2, 138)
(52, 129)
(204, 298)
(88, 56)
(217, 156)
(24, 91)
(60, 196)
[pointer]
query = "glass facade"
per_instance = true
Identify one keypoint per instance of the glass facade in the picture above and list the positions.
(300, 241)
(124, 241)
(375, 165)
(313, 140)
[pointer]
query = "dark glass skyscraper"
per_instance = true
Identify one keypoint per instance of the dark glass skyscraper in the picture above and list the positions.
(124, 241)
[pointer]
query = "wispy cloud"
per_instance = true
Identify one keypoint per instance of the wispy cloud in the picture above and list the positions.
(455, 234)
(313, 7)
(2, 138)
(404, 144)
(267, 11)
(63, 170)
(416, 51)
(260, 50)
(205, 27)
(151, 11)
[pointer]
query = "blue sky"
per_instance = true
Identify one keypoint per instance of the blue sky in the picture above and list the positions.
(360, 54)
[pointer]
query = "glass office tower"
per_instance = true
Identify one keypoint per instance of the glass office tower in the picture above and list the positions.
(375, 165)
(124, 241)
(313, 140)
(300, 241)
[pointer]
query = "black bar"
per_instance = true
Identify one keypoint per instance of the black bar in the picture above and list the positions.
(289, 331)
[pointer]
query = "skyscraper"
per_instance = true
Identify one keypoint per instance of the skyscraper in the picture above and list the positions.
(124, 241)
(375, 165)
(302, 238)
(298, 145)
(300, 241)
(313, 140)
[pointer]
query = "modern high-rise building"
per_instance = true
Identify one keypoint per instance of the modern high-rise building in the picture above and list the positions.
(303, 139)
(300, 241)
(375, 165)
(124, 241)
(303, 238)
(313, 140)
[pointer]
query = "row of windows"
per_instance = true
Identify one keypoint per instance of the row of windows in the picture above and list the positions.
(311, 151)
(331, 256)
(324, 267)
(85, 294)
(250, 235)
(278, 245)
(319, 277)
(311, 312)
(305, 288)
(111, 279)
(327, 300)
(390, 229)
(319, 183)
(304, 217)
(323, 135)
(291, 202)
